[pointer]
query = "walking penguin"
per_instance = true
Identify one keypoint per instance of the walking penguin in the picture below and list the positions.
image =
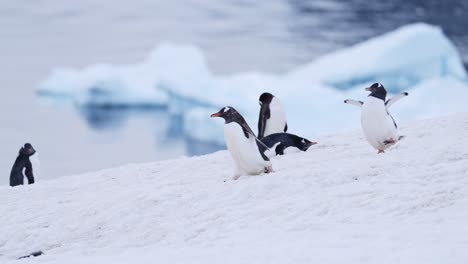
(378, 125)
(243, 144)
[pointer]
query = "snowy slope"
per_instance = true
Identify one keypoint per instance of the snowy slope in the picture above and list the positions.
(338, 203)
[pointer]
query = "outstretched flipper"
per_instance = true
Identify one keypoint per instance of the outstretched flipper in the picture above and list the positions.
(395, 98)
(354, 102)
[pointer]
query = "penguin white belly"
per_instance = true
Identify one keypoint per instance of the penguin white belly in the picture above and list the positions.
(244, 151)
(277, 120)
(377, 124)
(36, 165)
(271, 151)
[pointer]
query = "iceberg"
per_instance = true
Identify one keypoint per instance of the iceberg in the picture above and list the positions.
(399, 59)
(128, 85)
(416, 57)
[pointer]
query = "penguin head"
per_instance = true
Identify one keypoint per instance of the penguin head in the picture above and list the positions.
(305, 144)
(265, 99)
(377, 90)
(228, 113)
(27, 150)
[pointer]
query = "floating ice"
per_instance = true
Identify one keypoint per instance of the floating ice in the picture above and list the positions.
(399, 59)
(415, 57)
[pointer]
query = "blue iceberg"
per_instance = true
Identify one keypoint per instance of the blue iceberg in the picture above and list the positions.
(416, 58)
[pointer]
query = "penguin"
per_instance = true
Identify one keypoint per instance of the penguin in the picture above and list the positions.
(242, 144)
(272, 117)
(281, 141)
(378, 125)
(22, 162)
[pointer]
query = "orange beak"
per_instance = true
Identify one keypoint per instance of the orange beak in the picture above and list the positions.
(216, 115)
(369, 89)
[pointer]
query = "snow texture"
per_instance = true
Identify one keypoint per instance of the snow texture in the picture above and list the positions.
(339, 202)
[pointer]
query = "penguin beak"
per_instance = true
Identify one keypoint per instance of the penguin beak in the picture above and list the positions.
(216, 115)
(368, 89)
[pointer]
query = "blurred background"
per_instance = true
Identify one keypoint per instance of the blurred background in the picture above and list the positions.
(235, 36)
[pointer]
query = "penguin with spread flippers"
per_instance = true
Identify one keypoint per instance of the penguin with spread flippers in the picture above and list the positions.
(243, 144)
(378, 125)
(272, 117)
(279, 142)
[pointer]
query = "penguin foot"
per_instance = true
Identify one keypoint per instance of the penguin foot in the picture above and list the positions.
(381, 151)
(268, 169)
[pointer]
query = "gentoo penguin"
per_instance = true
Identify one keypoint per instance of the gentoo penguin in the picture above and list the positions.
(281, 141)
(22, 162)
(272, 118)
(243, 144)
(378, 125)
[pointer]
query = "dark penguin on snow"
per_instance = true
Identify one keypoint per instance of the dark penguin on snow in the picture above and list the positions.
(243, 144)
(272, 117)
(281, 141)
(22, 162)
(378, 125)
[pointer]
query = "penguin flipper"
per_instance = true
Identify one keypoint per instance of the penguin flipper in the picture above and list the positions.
(247, 131)
(394, 99)
(261, 146)
(262, 119)
(354, 102)
(394, 123)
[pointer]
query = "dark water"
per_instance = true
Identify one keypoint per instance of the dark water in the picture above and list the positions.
(236, 36)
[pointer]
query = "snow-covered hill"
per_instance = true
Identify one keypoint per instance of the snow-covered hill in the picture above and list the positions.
(340, 202)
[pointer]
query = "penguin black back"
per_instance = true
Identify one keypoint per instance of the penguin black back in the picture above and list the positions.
(265, 113)
(22, 162)
(377, 90)
(285, 140)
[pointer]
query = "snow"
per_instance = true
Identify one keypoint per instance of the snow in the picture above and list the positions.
(416, 57)
(339, 202)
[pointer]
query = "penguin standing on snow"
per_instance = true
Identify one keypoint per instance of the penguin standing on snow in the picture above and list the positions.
(243, 144)
(378, 125)
(22, 162)
(272, 118)
(282, 141)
